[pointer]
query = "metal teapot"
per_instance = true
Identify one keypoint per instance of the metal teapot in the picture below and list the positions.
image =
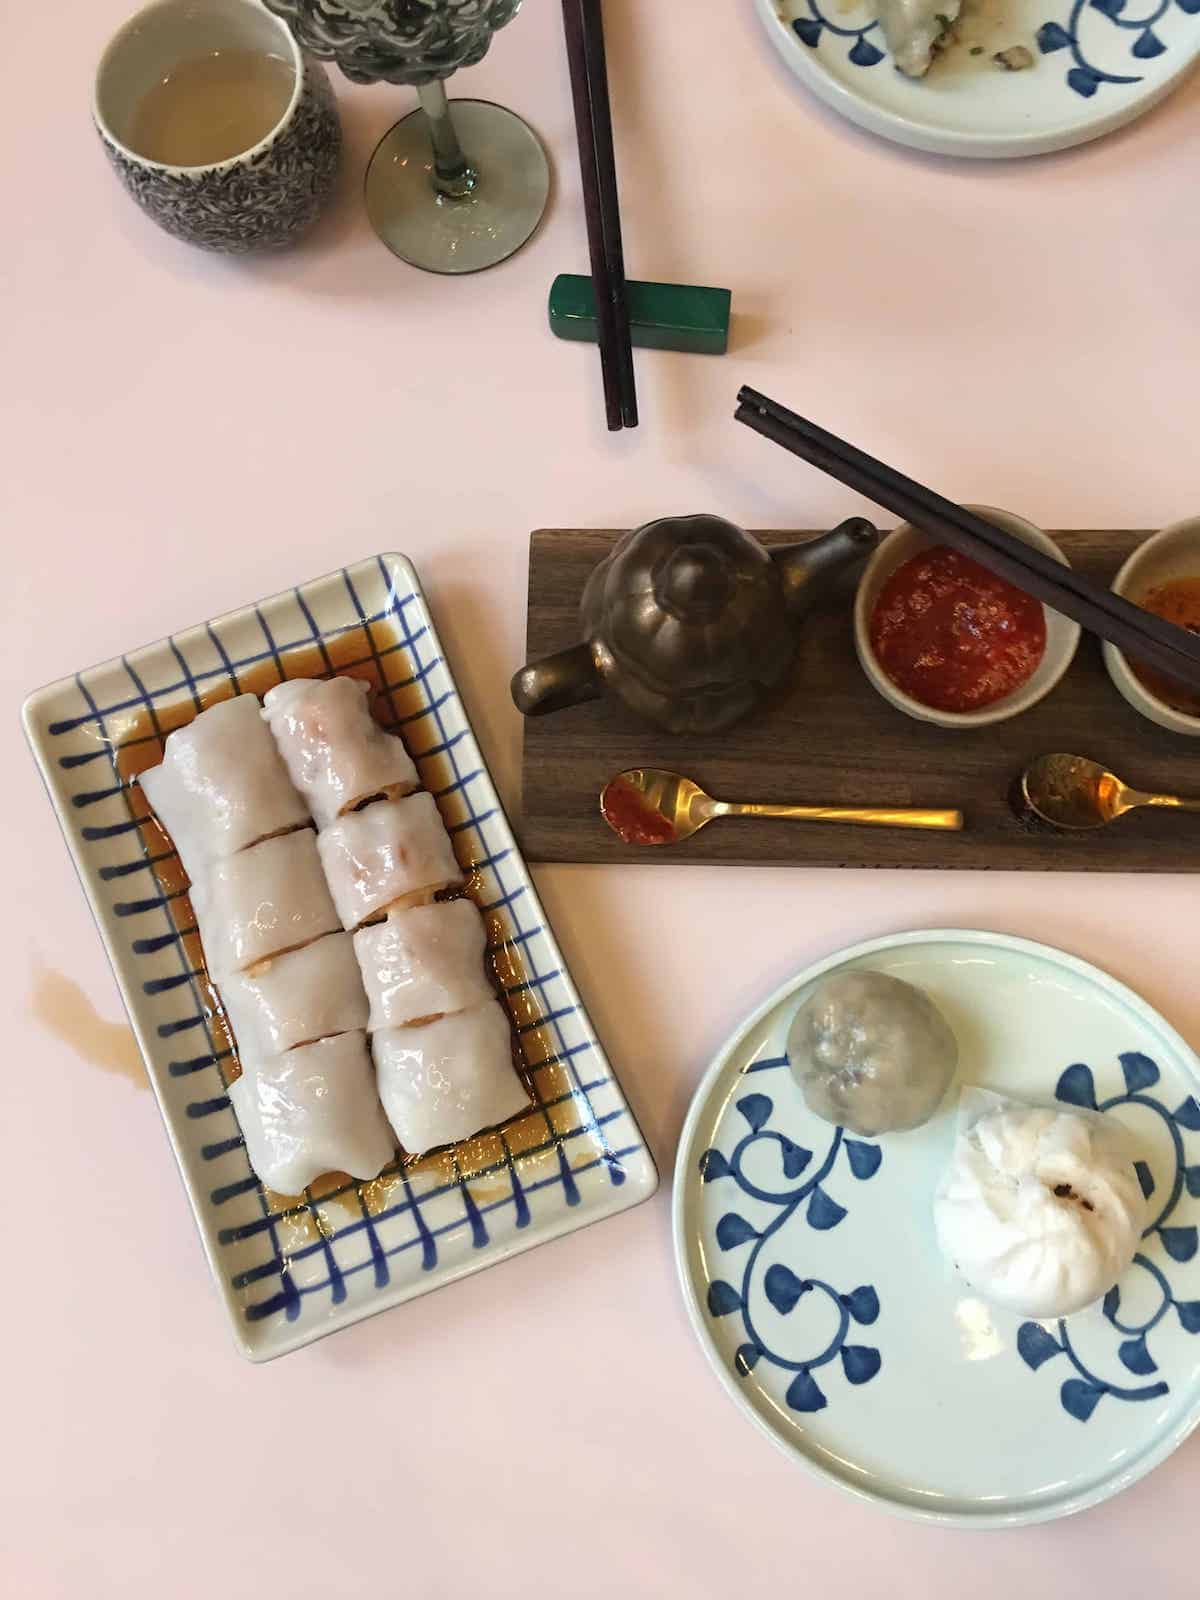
(690, 621)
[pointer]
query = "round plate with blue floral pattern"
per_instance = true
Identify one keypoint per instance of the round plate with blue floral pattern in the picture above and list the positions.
(813, 1277)
(1088, 66)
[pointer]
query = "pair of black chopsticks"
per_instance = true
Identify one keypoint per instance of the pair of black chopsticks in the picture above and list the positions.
(1134, 631)
(598, 168)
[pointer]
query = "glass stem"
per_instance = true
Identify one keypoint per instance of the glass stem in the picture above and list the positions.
(452, 174)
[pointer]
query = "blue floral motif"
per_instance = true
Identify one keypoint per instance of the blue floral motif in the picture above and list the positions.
(1076, 1086)
(863, 53)
(784, 1288)
(1084, 76)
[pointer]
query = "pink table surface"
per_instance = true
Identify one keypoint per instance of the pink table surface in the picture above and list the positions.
(182, 434)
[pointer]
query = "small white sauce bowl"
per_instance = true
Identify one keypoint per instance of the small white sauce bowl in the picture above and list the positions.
(1062, 635)
(1173, 552)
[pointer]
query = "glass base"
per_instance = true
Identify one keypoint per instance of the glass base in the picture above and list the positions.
(441, 235)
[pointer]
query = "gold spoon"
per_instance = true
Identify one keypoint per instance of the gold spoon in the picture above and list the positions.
(646, 805)
(1073, 792)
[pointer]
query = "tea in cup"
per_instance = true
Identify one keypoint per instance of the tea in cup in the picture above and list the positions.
(219, 126)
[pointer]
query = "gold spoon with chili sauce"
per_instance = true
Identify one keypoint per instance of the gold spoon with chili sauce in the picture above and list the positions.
(647, 805)
(1072, 792)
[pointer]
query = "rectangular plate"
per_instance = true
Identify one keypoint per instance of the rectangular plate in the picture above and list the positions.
(828, 738)
(293, 1269)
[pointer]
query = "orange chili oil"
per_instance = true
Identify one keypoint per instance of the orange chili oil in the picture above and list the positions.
(629, 816)
(952, 635)
(1178, 601)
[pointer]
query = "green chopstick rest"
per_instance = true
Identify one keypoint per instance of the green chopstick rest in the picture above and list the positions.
(662, 316)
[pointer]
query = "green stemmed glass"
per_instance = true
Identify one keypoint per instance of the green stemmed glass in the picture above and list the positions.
(449, 188)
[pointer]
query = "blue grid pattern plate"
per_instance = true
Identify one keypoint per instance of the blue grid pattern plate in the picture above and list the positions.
(291, 1269)
(1094, 65)
(814, 1281)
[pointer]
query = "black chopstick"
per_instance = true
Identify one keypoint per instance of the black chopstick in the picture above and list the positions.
(584, 29)
(1136, 632)
(1126, 631)
(589, 174)
(889, 481)
(610, 209)
(886, 484)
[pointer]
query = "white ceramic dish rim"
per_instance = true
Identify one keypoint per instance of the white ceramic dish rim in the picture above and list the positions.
(130, 25)
(1134, 692)
(1012, 705)
(937, 141)
(685, 1163)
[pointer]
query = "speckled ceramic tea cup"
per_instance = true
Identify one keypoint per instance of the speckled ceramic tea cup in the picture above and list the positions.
(158, 81)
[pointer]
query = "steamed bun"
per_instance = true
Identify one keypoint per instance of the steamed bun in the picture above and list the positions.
(1040, 1209)
(871, 1052)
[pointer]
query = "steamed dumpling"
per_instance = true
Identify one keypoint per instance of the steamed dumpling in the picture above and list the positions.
(915, 30)
(871, 1052)
(1040, 1209)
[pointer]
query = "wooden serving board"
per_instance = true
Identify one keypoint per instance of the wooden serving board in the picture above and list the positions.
(829, 738)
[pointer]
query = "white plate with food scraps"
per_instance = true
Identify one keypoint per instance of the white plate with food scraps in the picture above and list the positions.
(293, 1268)
(1070, 71)
(813, 1278)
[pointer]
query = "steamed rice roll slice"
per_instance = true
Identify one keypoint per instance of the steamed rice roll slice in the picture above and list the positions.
(423, 962)
(449, 1079)
(262, 902)
(221, 785)
(311, 1111)
(336, 754)
(389, 853)
(295, 999)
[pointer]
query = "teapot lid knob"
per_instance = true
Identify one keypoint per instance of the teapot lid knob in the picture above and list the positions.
(695, 583)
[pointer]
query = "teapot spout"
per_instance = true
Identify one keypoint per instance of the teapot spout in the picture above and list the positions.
(555, 682)
(808, 569)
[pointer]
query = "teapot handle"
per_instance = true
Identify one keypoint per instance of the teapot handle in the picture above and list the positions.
(555, 682)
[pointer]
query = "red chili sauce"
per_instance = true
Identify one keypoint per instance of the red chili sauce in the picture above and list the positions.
(952, 635)
(625, 810)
